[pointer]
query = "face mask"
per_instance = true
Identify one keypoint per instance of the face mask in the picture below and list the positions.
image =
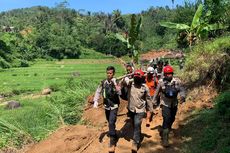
(137, 80)
(168, 78)
(150, 76)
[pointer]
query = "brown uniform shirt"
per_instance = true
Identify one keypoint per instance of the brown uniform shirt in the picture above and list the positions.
(139, 98)
(164, 100)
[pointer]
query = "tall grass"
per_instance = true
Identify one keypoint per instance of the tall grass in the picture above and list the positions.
(208, 60)
(38, 117)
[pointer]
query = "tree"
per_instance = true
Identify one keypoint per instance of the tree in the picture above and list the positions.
(199, 27)
(131, 37)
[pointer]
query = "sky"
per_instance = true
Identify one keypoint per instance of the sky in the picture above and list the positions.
(107, 6)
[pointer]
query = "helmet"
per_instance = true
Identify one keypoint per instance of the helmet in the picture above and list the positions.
(150, 70)
(139, 73)
(168, 69)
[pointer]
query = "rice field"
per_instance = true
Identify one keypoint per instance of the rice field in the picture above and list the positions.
(38, 117)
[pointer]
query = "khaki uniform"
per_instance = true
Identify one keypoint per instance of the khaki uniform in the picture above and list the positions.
(168, 91)
(139, 99)
(161, 88)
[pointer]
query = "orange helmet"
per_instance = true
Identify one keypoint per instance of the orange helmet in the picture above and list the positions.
(139, 73)
(168, 69)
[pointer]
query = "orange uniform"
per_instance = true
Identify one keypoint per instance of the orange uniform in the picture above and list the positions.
(152, 85)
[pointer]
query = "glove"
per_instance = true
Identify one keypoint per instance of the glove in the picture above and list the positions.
(182, 99)
(95, 104)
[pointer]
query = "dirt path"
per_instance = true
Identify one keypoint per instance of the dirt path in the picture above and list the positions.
(151, 139)
(92, 138)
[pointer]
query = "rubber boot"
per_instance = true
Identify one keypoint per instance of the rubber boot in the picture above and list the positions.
(165, 137)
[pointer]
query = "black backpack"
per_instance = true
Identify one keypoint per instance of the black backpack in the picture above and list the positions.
(170, 91)
(124, 93)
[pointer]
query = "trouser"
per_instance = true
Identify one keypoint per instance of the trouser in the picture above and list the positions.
(111, 117)
(137, 120)
(168, 116)
(158, 100)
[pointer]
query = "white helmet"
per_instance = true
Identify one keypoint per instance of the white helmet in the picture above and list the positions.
(150, 70)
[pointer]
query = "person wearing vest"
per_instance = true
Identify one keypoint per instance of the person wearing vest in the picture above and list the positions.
(110, 91)
(151, 82)
(138, 99)
(169, 87)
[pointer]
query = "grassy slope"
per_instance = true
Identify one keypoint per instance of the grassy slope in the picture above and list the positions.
(38, 117)
(209, 129)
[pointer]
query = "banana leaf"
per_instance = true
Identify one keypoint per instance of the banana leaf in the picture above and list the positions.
(139, 25)
(120, 37)
(215, 26)
(196, 18)
(175, 25)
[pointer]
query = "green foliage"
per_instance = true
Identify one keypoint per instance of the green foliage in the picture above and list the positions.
(68, 105)
(4, 64)
(38, 117)
(208, 61)
(199, 27)
(223, 105)
(208, 130)
(131, 38)
(17, 127)
(24, 63)
(175, 25)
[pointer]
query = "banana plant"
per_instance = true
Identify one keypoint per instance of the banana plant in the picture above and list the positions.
(199, 27)
(131, 37)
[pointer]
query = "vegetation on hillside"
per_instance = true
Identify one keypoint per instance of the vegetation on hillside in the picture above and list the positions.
(60, 32)
(71, 82)
(208, 130)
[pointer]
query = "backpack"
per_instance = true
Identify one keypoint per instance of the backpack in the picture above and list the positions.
(170, 91)
(124, 93)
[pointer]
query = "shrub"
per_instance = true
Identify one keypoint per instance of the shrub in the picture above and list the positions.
(4, 64)
(24, 63)
(208, 61)
(223, 105)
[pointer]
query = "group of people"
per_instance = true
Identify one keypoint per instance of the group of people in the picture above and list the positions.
(144, 91)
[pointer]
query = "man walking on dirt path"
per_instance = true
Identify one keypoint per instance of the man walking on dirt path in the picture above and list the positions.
(151, 81)
(111, 102)
(169, 87)
(138, 99)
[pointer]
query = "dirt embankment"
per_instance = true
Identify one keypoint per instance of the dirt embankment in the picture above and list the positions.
(92, 137)
(153, 54)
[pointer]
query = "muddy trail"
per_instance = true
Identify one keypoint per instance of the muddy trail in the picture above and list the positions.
(92, 136)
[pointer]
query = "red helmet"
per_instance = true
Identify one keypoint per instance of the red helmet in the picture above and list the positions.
(168, 69)
(139, 73)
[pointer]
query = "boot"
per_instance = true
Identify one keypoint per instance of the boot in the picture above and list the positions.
(165, 137)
